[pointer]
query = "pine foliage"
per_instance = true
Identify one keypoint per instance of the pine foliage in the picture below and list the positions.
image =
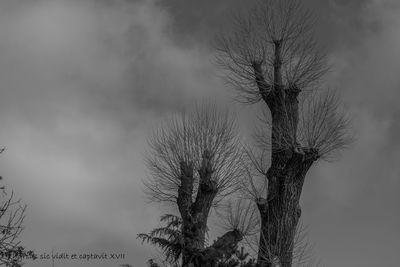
(169, 237)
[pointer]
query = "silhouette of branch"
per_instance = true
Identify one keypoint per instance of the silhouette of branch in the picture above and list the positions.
(249, 53)
(184, 140)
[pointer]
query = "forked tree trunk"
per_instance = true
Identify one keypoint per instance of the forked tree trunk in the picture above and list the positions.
(195, 214)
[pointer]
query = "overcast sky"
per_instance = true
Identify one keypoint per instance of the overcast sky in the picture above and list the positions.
(84, 81)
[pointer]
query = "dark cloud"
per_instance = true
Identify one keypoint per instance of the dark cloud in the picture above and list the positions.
(82, 82)
(340, 22)
(198, 21)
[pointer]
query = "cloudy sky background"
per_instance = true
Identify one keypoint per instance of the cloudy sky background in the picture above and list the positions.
(83, 83)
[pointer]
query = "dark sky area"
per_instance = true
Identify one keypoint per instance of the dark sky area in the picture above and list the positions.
(83, 83)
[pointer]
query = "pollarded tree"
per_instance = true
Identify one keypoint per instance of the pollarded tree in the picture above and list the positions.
(272, 56)
(195, 162)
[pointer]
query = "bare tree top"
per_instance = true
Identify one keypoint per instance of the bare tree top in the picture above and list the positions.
(274, 31)
(205, 131)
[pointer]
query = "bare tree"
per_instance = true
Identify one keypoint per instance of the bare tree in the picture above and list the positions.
(272, 56)
(271, 47)
(195, 161)
(12, 215)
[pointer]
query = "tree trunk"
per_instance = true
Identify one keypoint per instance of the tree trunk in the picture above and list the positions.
(195, 214)
(280, 211)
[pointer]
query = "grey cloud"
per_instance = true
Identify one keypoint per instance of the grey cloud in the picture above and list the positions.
(341, 22)
(82, 82)
(359, 191)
